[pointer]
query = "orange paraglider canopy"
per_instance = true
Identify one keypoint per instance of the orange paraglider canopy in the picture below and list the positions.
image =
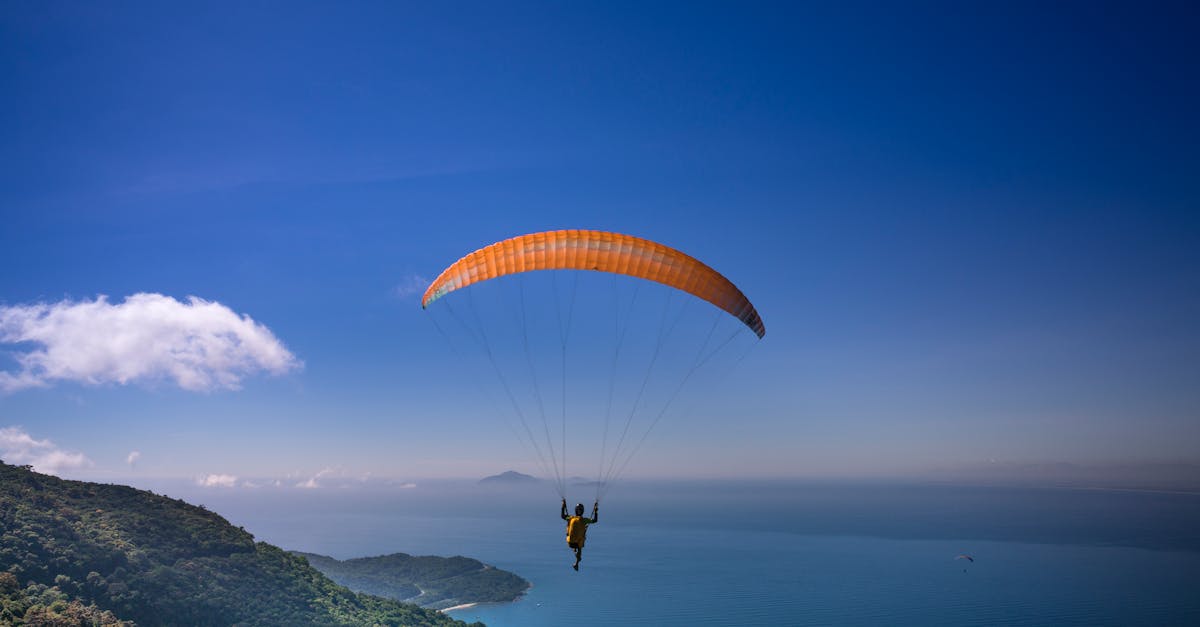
(575, 249)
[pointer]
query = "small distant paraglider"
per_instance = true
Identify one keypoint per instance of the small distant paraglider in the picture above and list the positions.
(964, 556)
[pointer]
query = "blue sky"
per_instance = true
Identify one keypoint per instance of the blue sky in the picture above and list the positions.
(972, 231)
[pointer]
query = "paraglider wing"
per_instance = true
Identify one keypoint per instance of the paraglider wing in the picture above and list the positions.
(965, 557)
(601, 251)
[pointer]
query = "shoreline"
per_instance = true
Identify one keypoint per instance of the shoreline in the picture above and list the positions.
(465, 606)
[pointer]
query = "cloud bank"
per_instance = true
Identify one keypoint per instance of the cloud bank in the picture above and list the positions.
(199, 345)
(326, 479)
(314, 481)
(217, 481)
(19, 448)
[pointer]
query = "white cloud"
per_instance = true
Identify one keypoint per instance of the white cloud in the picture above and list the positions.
(313, 482)
(217, 481)
(199, 345)
(19, 448)
(410, 285)
(133, 457)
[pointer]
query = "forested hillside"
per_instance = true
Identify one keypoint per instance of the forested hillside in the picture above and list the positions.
(76, 553)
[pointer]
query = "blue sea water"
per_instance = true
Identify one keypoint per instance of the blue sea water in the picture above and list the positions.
(781, 553)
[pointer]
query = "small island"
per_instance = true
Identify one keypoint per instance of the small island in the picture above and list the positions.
(509, 477)
(429, 581)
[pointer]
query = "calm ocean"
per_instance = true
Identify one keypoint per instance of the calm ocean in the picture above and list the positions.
(779, 553)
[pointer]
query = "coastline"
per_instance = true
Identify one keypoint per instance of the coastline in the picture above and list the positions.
(465, 606)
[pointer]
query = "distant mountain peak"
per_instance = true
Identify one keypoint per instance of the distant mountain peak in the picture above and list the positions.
(510, 476)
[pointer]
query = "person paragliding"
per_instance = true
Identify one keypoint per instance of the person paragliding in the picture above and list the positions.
(648, 370)
(577, 528)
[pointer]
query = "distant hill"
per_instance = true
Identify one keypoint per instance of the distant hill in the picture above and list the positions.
(432, 582)
(76, 553)
(510, 477)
